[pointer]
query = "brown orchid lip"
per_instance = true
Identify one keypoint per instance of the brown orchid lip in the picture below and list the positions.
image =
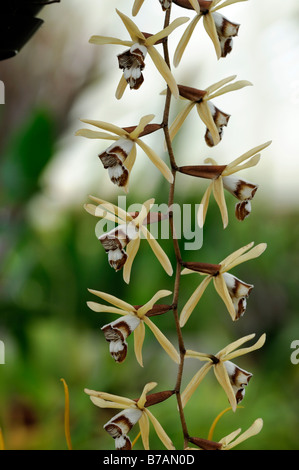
(205, 444)
(190, 93)
(157, 309)
(149, 129)
(203, 171)
(205, 268)
(155, 398)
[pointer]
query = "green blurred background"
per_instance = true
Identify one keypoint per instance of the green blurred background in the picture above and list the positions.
(50, 255)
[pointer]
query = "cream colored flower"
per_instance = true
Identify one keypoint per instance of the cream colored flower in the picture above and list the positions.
(132, 60)
(232, 290)
(133, 319)
(119, 157)
(126, 235)
(222, 177)
(232, 379)
(220, 29)
(133, 411)
(230, 441)
(211, 116)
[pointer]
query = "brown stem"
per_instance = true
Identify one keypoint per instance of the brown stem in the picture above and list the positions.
(176, 246)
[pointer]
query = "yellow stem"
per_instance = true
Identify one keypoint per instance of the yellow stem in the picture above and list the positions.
(136, 439)
(67, 416)
(212, 428)
(2, 446)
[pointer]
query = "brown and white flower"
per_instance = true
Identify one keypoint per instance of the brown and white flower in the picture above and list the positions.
(119, 158)
(219, 29)
(232, 379)
(122, 243)
(132, 61)
(232, 290)
(223, 177)
(133, 320)
(133, 412)
(214, 119)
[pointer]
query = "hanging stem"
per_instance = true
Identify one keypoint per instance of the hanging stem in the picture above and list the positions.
(174, 169)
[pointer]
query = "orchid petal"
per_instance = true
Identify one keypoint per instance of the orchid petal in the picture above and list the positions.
(121, 87)
(156, 160)
(185, 40)
(142, 123)
(227, 3)
(131, 27)
(160, 431)
(194, 383)
(107, 127)
(136, 7)
(240, 352)
(207, 118)
(101, 40)
(218, 192)
(164, 342)
(232, 87)
(105, 309)
(147, 388)
(254, 429)
(110, 397)
(210, 28)
(90, 134)
(223, 379)
(149, 305)
(158, 251)
(132, 249)
(144, 430)
(166, 31)
(193, 301)
(139, 334)
(222, 291)
(210, 89)
(164, 70)
(113, 300)
(255, 252)
(180, 119)
(247, 155)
